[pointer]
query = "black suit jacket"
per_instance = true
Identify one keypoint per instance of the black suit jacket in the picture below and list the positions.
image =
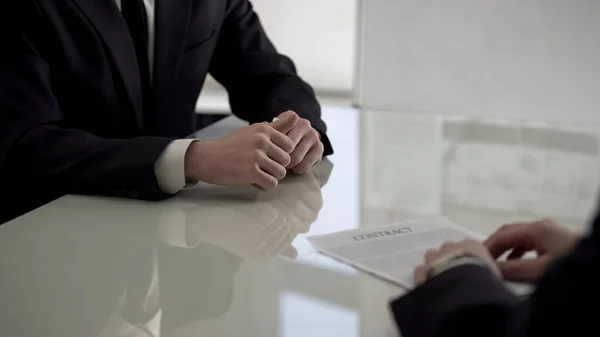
(72, 116)
(471, 301)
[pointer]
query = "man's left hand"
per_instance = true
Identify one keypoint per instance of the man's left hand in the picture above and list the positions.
(472, 247)
(308, 148)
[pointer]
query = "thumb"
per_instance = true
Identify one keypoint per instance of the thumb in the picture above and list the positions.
(524, 270)
(285, 122)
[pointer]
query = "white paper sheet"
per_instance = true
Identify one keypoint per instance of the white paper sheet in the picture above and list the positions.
(392, 252)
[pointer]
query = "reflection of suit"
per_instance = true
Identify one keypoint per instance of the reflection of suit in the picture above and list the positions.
(73, 289)
(471, 301)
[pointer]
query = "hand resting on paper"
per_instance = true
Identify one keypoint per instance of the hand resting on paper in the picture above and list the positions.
(449, 249)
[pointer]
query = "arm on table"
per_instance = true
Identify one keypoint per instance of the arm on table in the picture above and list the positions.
(470, 300)
(261, 82)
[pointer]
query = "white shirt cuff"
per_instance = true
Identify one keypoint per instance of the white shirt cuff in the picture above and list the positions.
(170, 167)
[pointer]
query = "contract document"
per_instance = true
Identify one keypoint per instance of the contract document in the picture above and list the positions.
(392, 252)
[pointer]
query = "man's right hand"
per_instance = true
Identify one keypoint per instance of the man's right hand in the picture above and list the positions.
(257, 154)
(547, 238)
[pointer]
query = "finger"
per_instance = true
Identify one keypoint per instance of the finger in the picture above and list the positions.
(281, 140)
(430, 256)
(297, 224)
(302, 149)
(313, 200)
(271, 243)
(272, 220)
(509, 238)
(447, 246)
(264, 181)
(312, 158)
(272, 167)
(521, 270)
(278, 154)
(506, 227)
(283, 245)
(304, 213)
(297, 133)
(287, 121)
(267, 217)
(517, 253)
(420, 274)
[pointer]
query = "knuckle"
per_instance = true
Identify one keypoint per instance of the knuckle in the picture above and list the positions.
(293, 115)
(261, 128)
(305, 123)
(256, 155)
(321, 147)
(254, 169)
(261, 140)
(314, 134)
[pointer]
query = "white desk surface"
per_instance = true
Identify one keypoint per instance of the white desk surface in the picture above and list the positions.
(235, 262)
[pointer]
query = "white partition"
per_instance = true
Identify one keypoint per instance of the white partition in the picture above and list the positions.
(534, 59)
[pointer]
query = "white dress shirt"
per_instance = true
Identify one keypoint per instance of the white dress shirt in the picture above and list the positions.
(170, 166)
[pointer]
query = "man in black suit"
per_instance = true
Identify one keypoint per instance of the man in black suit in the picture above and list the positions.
(462, 293)
(97, 96)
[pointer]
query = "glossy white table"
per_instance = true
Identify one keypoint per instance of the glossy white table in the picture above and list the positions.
(235, 262)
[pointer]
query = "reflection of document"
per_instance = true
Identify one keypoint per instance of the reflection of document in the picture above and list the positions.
(392, 251)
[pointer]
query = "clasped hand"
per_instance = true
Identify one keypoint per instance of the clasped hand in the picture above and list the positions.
(545, 237)
(259, 154)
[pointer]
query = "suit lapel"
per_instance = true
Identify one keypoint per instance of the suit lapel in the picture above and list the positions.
(105, 16)
(172, 21)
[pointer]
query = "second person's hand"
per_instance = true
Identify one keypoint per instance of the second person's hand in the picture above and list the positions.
(254, 155)
(548, 239)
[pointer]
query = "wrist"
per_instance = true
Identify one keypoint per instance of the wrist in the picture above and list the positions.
(452, 261)
(193, 156)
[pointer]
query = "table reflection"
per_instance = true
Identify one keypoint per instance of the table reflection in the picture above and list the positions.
(251, 224)
(83, 275)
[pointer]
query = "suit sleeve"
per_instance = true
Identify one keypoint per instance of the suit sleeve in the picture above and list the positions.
(261, 82)
(38, 151)
(471, 301)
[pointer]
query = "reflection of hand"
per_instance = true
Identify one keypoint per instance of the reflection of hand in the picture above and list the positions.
(257, 228)
(449, 249)
(545, 237)
(299, 199)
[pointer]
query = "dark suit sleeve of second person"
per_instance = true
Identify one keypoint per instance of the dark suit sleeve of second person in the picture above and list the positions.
(261, 82)
(471, 301)
(37, 150)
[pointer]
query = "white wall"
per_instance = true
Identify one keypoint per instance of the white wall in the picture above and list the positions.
(319, 35)
(496, 58)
